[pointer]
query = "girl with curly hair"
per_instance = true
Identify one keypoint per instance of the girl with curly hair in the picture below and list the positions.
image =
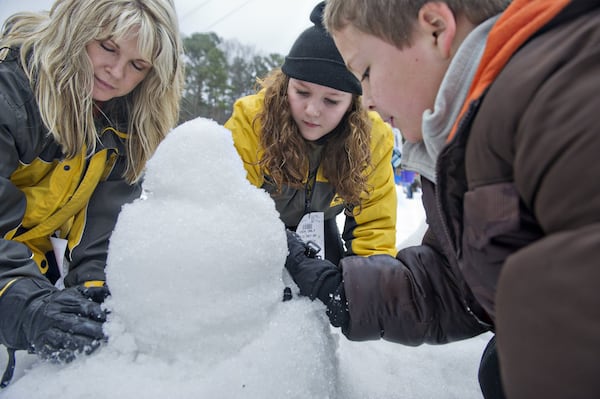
(307, 140)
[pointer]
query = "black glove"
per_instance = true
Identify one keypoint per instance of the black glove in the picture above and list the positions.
(96, 293)
(308, 272)
(55, 324)
(317, 278)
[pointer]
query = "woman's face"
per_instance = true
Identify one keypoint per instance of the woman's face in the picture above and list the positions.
(118, 67)
(316, 109)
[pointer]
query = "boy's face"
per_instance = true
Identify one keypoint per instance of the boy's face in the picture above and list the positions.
(399, 84)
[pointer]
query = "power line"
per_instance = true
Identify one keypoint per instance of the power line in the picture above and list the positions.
(230, 13)
(193, 10)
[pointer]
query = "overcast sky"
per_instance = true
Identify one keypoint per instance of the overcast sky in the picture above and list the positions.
(268, 25)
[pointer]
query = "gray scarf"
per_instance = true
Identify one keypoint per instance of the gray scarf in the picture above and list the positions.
(421, 157)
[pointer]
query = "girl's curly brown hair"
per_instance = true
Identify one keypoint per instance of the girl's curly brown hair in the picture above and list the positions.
(347, 160)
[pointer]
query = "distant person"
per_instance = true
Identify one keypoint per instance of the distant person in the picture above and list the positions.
(307, 140)
(502, 113)
(87, 93)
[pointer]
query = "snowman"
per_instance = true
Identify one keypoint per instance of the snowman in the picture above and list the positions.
(196, 311)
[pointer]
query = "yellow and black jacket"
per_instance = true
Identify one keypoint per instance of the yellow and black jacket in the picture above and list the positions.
(42, 194)
(370, 232)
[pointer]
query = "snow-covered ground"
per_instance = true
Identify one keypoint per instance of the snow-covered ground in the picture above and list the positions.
(196, 311)
(382, 370)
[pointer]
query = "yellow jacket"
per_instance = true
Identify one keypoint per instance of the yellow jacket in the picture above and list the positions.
(370, 232)
(44, 195)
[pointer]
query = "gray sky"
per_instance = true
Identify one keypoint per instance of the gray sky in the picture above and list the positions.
(268, 25)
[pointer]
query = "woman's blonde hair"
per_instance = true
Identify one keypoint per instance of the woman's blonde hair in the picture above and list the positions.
(347, 156)
(53, 52)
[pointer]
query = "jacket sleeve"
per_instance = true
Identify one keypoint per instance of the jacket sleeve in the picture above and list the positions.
(373, 230)
(412, 299)
(18, 119)
(246, 134)
(548, 298)
(88, 257)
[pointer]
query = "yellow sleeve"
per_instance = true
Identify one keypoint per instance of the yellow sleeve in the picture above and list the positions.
(246, 134)
(375, 230)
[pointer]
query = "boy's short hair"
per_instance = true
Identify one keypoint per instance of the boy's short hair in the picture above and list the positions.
(393, 20)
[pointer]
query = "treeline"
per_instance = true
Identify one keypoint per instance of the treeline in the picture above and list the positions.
(218, 72)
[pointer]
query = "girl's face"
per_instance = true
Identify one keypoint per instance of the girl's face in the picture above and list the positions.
(118, 67)
(316, 109)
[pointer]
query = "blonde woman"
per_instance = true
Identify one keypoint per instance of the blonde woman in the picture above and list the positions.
(88, 91)
(307, 140)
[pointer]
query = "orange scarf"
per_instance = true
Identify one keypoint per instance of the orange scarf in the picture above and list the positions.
(521, 20)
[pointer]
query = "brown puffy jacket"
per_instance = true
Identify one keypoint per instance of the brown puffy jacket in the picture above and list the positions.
(516, 212)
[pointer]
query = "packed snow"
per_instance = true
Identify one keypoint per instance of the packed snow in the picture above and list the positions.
(195, 270)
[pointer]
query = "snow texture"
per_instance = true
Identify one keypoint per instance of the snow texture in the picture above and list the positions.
(195, 270)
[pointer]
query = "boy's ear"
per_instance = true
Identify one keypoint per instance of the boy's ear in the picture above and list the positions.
(438, 21)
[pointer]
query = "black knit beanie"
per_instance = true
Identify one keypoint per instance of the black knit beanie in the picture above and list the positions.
(314, 58)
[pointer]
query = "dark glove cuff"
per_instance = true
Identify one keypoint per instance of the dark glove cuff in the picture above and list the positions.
(12, 308)
(330, 290)
(326, 285)
(337, 309)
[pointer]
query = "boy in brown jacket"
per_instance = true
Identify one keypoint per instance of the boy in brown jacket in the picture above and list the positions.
(499, 109)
